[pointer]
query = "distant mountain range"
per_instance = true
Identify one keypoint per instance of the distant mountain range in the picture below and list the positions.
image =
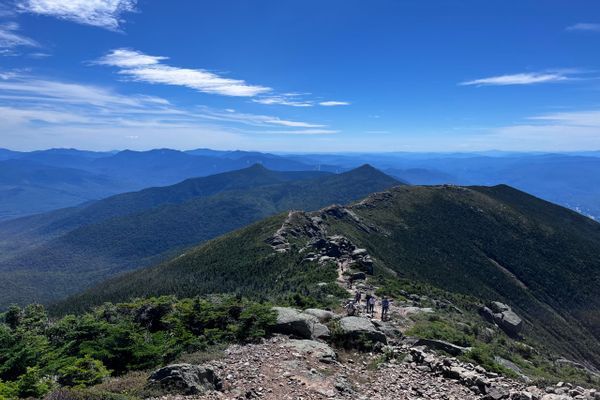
(40, 181)
(488, 243)
(48, 256)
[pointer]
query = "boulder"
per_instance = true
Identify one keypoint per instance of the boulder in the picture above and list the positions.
(447, 347)
(295, 323)
(510, 323)
(355, 329)
(496, 393)
(504, 317)
(185, 379)
(319, 349)
(322, 315)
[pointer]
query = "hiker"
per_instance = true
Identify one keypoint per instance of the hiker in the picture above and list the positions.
(371, 305)
(357, 296)
(385, 307)
(367, 302)
(350, 308)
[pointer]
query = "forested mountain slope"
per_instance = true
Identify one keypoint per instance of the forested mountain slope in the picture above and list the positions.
(134, 230)
(493, 243)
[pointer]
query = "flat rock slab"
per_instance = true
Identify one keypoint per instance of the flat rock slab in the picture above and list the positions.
(318, 349)
(356, 327)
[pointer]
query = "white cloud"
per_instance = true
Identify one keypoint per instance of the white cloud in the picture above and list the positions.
(289, 100)
(585, 27)
(561, 131)
(36, 112)
(11, 38)
(126, 58)
(144, 68)
(334, 103)
(283, 101)
(101, 13)
(253, 119)
(517, 79)
(574, 118)
(18, 87)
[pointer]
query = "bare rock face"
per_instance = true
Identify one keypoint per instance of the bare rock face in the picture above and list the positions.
(185, 379)
(354, 329)
(504, 317)
(299, 324)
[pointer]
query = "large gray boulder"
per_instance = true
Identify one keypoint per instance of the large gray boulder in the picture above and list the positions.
(185, 379)
(323, 316)
(354, 330)
(504, 317)
(296, 323)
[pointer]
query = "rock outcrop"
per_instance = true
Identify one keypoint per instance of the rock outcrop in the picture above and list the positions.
(185, 379)
(299, 324)
(503, 316)
(354, 330)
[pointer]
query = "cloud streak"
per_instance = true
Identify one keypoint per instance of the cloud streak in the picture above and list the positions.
(150, 69)
(517, 79)
(141, 67)
(10, 37)
(100, 13)
(334, 103)
(38, 112)
(584, 27)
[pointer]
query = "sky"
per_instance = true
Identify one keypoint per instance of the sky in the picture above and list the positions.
(300, 76)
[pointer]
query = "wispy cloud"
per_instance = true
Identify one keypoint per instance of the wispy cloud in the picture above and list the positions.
(584, 27)
(518, 79)
(283, 101)
(334, 103)
(150, 69)
(38, 112)
(291, 101)
(10, 37)
(101, 13)
(142, 67)
(308, 132)
(253, 119)
(560, 131)
(25, 88)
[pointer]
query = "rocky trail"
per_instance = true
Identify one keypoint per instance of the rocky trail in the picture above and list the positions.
(300, 363)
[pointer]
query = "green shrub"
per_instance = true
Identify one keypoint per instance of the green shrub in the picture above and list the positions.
(33, 384)
(83, 372)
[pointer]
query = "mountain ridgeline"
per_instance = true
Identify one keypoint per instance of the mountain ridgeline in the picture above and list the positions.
(49, 256)
(490, 243)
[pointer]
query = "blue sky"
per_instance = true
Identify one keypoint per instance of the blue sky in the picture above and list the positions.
(327, 75)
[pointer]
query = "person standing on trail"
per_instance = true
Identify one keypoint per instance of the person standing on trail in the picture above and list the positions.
(371, 305)
(357, 296)
(368, 298)
(385, 308)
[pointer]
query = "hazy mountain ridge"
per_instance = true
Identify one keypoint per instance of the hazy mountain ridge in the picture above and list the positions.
(133, 230)
(568, 179)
